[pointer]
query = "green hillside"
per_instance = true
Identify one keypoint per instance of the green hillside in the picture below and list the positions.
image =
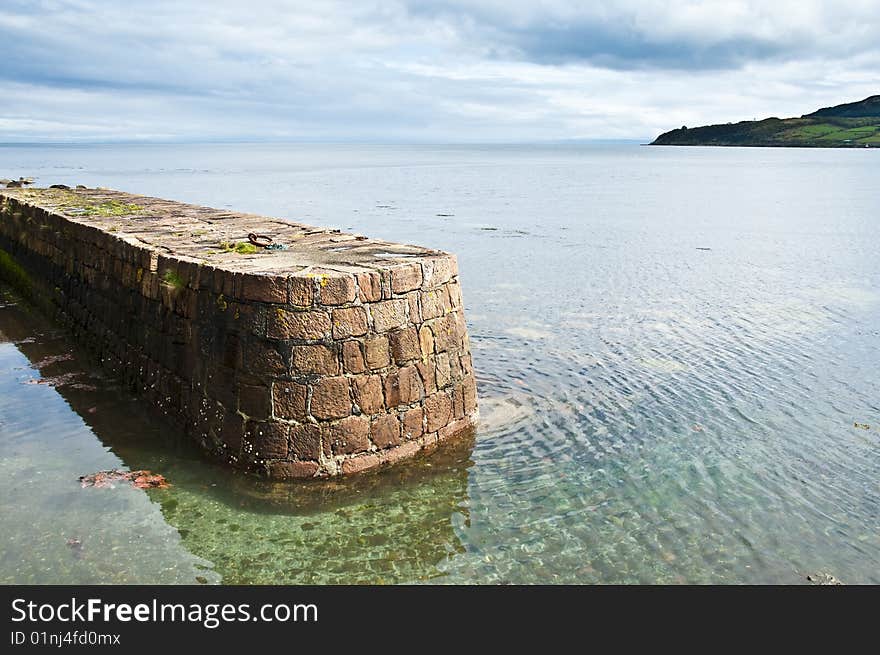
(851, 125)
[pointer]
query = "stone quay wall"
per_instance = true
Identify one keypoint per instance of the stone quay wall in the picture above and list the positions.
(332, 355)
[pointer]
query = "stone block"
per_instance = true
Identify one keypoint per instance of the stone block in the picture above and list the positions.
(404, 451)
(348, 436)
(385, 431)
(377, 352)
(268, 439)
(403, 387)
(306, 441)
(315, 359)
(370, 285)
(413, 427)
(331, 398)
(263, 288)
(389, 314)
(303, 325)
(337, 289)
(360, 464)
(406, 277)
(287, 470)
(301, 291)
(254, 402)
(353, 357)
(349, 322)
(368, 393)
(405, 345)
(289, 401)
(438, 409)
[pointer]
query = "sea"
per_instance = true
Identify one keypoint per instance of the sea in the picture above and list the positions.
(677, 352)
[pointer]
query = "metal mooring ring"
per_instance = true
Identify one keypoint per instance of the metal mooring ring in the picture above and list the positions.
(260, 240)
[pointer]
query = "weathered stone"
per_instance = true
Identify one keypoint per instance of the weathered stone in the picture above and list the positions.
(370, 284)
(404, 451)
(455, 368)
(444, 374)
(301, 291)
(349, 322)
(469, 391)
(377, 352)
(426, 342)
(309, 325)
(434, 303)
(337, 289)
(305, 441)
(454, 289)
(445, 331)
(368, 393)
(350, 435)
(247, 318)
(453, 428)
(385, 431)
(467, 365)
(254, 402)
(330, 398)
(289, 400)
(353, 357)
(403, 387)
(268, 438)
(231, 432)
(284, 470)
(406, 277)
(388, 314)
(405, 345)
(438, 271)
(428, 373)
(458, 402)
(412, 423)
(263, 288)
(360, 464)
(296, 362)
(316, 359)
(438, 409)
(415, 311)
(260, 358)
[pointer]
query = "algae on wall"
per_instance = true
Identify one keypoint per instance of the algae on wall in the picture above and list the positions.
(13, 274)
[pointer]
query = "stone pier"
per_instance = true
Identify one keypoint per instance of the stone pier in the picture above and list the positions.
(325, 354)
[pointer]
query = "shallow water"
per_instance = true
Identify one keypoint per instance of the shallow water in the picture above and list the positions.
(651, 411)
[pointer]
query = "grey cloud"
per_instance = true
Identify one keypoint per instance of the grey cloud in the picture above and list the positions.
(646, 34)
(427, 71)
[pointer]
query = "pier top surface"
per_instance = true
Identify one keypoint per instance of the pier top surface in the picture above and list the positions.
(220, 237)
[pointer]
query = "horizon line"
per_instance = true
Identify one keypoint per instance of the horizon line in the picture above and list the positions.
(377, 142)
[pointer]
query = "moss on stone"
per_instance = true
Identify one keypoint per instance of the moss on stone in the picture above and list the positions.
(75, 204)
(238, 247)
(14, 274)
(172, 279)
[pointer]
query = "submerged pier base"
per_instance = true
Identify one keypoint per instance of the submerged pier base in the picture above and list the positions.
(325, 354)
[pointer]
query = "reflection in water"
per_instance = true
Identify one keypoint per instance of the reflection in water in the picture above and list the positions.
(212, 524)
(387, 527)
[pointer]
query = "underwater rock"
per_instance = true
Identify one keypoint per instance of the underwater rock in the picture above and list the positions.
(139, 479)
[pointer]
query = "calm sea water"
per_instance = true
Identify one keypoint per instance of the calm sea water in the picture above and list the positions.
(672, 345)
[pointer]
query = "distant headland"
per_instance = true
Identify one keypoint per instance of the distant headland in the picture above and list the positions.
(851, 125)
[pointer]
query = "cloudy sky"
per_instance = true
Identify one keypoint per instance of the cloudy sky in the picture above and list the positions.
(435, 71)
